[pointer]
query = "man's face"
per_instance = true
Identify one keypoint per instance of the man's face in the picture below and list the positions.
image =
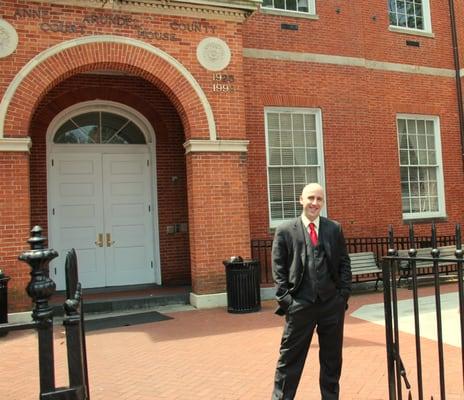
(312, 200)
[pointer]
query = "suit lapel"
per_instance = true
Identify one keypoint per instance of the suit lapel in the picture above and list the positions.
(324, 237)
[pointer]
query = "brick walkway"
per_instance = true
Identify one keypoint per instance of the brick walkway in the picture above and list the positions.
(212, 355)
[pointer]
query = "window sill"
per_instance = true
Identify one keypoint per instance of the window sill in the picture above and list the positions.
(407, 31)
(284, 13)
(424, 220)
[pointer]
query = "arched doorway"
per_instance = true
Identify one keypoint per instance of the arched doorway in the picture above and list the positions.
(101, 194)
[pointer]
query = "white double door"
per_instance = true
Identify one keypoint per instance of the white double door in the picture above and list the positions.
(100, 204)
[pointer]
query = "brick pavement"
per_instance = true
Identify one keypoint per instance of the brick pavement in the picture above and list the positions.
(213, 355)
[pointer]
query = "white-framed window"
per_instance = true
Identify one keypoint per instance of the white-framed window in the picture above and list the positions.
(410, 14)
(299, 6)
(99, 127)
(421, 169)
(294, 158)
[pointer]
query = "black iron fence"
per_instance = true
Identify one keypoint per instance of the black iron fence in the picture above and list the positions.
(40, 289)
(416, 260)
(261, 248)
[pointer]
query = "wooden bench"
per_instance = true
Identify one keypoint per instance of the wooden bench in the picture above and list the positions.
(364, 265)
(425, 267)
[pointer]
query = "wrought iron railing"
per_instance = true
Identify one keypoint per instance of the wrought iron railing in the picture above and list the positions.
(261, 248)
(390, 268)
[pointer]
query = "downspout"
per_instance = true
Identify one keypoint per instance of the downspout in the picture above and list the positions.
(458, 77)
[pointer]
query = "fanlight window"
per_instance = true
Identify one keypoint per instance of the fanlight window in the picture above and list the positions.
(99, 128)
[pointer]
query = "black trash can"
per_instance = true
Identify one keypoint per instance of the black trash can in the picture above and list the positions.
(3, 299)
(242, 281)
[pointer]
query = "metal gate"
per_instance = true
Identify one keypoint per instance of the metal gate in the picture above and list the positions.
(409, 265)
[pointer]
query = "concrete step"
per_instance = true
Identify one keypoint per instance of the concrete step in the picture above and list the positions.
(127, 299)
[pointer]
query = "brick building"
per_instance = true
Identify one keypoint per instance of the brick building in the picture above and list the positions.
(159, 137)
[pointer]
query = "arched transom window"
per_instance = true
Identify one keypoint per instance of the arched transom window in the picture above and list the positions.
(99, 127)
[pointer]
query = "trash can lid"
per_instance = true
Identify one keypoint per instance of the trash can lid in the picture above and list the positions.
(235, 259)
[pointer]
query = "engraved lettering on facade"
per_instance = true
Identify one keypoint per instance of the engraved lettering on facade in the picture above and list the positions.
(111, 20)
(195, 26)
(223, 83)
(158, 35)
(35, 13)
(61, 27)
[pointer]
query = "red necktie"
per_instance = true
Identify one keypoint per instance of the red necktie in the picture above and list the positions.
(313, 234)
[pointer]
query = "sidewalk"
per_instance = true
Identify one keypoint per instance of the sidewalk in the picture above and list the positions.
(213, 355)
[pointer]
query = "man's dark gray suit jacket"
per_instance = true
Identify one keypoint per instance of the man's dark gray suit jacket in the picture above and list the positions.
(289, 255)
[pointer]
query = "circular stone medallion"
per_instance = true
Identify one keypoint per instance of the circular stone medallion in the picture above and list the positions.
(213, 54)
(8, 38)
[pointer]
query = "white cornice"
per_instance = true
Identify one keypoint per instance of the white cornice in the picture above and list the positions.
(236, 10)
(347, 61)
(215, 146)
(15, 144)
(238, 4)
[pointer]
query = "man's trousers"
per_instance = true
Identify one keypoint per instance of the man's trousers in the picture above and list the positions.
(301, 320)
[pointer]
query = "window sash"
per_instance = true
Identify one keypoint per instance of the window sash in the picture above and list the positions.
(294, 158)
(421, 173)
(410, 14)
(299, 6)
(99, 127)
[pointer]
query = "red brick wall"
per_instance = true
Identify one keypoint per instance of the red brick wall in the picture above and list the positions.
(359, 107)
(360, 29)
(224, 195)
(121, 57)
(14, 225)
(218, 216)
(161, 93)
(147, 99)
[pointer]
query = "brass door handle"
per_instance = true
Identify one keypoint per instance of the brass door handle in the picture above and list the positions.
(109, 242)
(99, 241)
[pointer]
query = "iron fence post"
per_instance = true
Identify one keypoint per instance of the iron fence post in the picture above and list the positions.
(387, 267)
(40, 289)
(412, 255)
(459, 256)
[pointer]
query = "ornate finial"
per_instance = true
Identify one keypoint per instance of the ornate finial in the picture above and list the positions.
(412, 245)
(391, 244)
(37, 241)
(434, 236)
(40, 287)
(458, 252)
(458, 237)
(435, 252)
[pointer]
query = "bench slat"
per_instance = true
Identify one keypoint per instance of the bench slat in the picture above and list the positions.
(365, 263)
(445, 252)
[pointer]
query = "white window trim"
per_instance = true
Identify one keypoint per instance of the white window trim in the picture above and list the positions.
(280, 11)
(441, 213)
(427, 21)
(320, 153)
(141, 121)
(409, 31)
(100, 106)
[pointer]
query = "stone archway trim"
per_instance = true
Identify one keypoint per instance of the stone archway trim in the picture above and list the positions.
(215, 146)
(15, 144)
(45, 54)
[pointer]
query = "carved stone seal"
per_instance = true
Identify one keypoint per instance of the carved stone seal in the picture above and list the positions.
(213, 54)
(8, 38)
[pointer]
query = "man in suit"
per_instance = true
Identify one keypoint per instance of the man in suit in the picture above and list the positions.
(312, 273)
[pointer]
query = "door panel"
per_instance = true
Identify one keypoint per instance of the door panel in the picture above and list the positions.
(75, 220)
(107, 194)
(128, 218)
